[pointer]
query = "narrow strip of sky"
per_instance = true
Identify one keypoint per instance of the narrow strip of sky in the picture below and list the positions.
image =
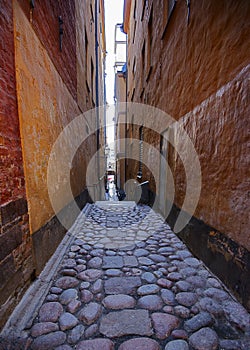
(113, 15)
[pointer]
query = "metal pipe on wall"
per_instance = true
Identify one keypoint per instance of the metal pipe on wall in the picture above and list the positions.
(97, 93)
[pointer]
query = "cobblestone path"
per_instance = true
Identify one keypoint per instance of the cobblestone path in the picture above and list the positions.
(126, 282)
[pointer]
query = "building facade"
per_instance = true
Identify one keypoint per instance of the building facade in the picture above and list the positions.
(120, 125)
(191, 61)
(52, 69)
(120, 87)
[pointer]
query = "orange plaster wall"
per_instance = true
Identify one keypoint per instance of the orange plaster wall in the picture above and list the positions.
(45, 108)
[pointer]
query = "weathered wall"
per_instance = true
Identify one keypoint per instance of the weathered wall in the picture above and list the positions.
(47, 104)
(43, 89)
(12, 177)
(197, 72)
(16, 263)
(45, 23)
(85, 45)
(45, 108)
(120, 134)
(86, 68)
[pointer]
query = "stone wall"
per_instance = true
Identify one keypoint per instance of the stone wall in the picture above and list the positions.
(196, 69)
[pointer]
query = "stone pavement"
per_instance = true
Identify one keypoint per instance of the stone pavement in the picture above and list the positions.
(122, 280)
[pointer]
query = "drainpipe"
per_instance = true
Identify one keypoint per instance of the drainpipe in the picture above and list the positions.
(97, 95)
(126, 115)
(126, 16)
(126, 110)
(105, 121)
(105, 117)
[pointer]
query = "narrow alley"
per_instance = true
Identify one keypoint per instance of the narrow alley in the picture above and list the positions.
(124, 175)
(123, 280)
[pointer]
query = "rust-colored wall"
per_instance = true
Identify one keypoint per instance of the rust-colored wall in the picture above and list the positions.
(120, 134)
(42, 90)
(85, 45)
(220, 136)
(16, 262)
(12, 177)
(46, 106)
(198, 73)
(191, 60)
(44, 21)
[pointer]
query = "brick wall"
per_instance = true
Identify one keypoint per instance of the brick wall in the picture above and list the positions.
(44, 21)
(12, 176)
(16, 262)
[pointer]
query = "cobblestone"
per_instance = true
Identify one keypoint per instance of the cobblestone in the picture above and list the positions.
(95, 344)
(112, 262)
(48, 341)
(122, 285)
(119, 301)
(150, 302)
(201, 320)
(43, 328)
(67, 321)
(73, 306)
(90, 275)
(135, 286)
(140, 344)
(148, 289)
(164, 324)
(145, 261)
(148, 277)
(95, 262)
(50, 312)
(67, 296)
(126, 322)
(177, 345)
(204, 339)
(90, 313)
(186, 298)
(168, 297)
(75, 334)
(67, 282)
